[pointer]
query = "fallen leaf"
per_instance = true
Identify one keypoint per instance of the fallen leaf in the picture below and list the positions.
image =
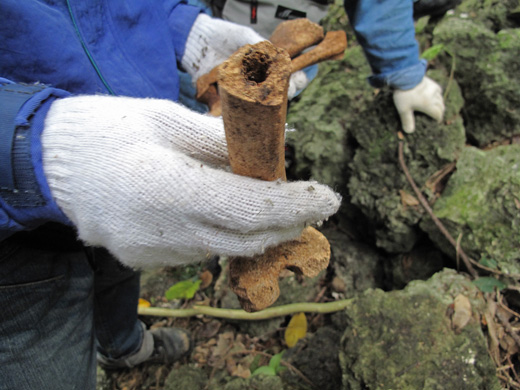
(241, 371)
(185, 289)
(434, 182)
(206, 278)
(461, 312)
(143, 303)
(296, 329)
(407, 199)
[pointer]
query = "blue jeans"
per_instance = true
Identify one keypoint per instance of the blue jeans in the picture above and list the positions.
(59, 302)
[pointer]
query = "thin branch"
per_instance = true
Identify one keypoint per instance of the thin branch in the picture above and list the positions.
(429, 210)
(272, 312)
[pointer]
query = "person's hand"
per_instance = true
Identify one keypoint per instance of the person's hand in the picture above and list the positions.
(211, 41)
(149, 180)
(297, 82)
(426, 97)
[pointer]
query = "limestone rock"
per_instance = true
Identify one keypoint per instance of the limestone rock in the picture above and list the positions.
(482, 202)
(405, 340)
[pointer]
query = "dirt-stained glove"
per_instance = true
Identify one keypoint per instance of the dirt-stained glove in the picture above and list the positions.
(149, 180)
(425, 97)
(211, 41)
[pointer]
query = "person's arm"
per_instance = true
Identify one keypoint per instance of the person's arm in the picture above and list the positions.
(147, 179)
(25, 198)
(385, 30)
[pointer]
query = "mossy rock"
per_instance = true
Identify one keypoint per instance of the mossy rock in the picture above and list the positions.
(186, 377)
(346, 137)
(257, 382)
(486, 65)
(481, 202)
(404, 339)
(377, 184)
(493, 14)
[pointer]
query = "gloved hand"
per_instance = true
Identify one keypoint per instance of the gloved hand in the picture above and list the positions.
(211, 41)
(297, 82)
(149, 180)
(425, 97)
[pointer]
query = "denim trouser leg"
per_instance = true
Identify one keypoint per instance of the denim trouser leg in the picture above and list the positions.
(46, 319)
(51, 301)
(118, 331)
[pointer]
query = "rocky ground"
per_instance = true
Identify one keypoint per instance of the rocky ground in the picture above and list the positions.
(425, 266)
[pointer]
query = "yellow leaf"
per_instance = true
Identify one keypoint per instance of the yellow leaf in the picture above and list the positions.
(296, 329)
(143, 303)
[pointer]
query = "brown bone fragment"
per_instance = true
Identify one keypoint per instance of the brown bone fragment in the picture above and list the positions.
(294, 36)
(331, 48)
(253, 85)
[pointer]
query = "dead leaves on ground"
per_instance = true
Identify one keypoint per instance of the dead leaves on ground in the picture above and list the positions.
(503, 329)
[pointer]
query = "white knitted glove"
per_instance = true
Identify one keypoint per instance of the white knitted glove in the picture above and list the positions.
(148, 179)
(297, 83)
(425, 97)
(211, 41)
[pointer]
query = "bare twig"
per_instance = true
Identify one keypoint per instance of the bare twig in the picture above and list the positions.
(429, 210)
(272, 312)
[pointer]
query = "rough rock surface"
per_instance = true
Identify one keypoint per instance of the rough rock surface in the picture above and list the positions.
(405, 339)
(481, 202)
(487, 69)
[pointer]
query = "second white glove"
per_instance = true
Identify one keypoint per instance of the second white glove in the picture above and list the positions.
(425, 97)
(149, 180)
(211, 41)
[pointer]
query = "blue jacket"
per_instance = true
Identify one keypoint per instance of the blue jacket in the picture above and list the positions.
(131, 48)
(120, 47)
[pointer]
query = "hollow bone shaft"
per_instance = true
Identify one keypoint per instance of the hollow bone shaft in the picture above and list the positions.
(253, 85)
(294, 36)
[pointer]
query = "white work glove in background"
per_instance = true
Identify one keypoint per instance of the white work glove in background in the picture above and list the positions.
(211, 41)
(149, 180)
(297, 83)
(425, 97)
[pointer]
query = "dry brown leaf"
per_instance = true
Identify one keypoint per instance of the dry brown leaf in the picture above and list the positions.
(242, 372)
(434, 181)
(206, 278)
(493, 344)
(461, 312)
(210, 329)
(219, 353)
(408, 199)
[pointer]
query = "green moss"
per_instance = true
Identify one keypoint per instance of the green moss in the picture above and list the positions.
(480, 53)
(481, 201)
(404, 340)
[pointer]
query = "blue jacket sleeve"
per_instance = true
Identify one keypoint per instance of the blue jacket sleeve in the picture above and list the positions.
(25, 198)
(385, 29)
(181, 17)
